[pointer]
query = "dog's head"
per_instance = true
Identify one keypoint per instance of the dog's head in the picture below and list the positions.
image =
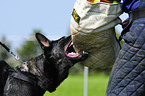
(59, 58)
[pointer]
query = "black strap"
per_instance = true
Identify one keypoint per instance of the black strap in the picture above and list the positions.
(15, 73)
(23, 77)
(12, 53)
(5, 46)
(125, 30)
(138, 13)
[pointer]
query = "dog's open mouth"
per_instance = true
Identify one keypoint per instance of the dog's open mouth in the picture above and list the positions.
(70, 51)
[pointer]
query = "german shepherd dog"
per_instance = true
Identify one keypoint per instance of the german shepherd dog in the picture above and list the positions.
(41, 73)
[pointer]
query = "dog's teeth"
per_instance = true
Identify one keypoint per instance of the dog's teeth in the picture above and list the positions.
(83, 52)
(73, 54)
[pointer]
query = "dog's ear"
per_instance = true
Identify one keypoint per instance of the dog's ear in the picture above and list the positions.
(43, 41)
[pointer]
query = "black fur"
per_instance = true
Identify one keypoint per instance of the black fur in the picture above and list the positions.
(44, 72)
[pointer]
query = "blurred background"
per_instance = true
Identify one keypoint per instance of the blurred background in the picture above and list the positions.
(21, 19)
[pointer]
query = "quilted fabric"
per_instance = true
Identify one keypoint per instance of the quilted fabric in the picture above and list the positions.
(128, 74)
(92, 28)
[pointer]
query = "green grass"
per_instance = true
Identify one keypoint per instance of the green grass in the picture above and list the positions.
(73, 86)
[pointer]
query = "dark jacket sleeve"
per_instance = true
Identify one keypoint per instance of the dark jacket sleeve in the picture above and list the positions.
(128, 74)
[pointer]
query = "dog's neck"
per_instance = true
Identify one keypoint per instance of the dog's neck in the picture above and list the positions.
(36, 65)
(44, 71)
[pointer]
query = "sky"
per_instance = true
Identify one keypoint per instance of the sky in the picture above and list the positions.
(18, 19)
